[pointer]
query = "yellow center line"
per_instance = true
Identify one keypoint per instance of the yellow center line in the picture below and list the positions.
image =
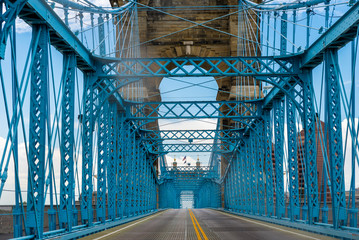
(194, 225)
(199, 226)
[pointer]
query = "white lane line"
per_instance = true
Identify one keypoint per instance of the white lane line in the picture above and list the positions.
(108, 234)
(280, 229)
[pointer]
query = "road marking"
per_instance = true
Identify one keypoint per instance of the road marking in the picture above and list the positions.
(199, 226)
(185, 229)
(263, 224)
(108, 234)
(194, 225)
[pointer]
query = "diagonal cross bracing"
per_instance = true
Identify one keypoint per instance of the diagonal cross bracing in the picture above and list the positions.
(166, 148)
(202, 66)
(191, 134)
(192, 109)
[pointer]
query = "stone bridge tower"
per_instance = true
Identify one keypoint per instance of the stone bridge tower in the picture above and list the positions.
(163, 35)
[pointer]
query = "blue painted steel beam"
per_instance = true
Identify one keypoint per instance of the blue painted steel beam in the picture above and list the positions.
(278, 115)
(198, 109)
(260, 161)
(112, 162)
(246, 158)
(7, 20)
(284, 33)
(166, 148)
(268, 162)
(253, 172)
(61, 37)
(342, 32)
(110, 92)
(336, 159)
(67, 177)
(294, 206)
(205, 66)
(240, 161)
(120, 170)
(87, 155)
(102, 158)
(310, 151)
(190, 134)
(37, 135)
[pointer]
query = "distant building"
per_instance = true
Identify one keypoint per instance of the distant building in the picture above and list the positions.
(320, 161)
(300, 156)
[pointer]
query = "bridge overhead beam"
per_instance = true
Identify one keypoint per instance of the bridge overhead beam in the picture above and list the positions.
(61, 37)
(166, 148)
(210, 109)
(205, 66)
(190, 135)
(337, 36)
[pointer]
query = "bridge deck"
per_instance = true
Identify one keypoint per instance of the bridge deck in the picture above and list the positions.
(206, 224)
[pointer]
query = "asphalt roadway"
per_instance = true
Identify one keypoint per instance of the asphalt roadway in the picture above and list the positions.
(200, 224)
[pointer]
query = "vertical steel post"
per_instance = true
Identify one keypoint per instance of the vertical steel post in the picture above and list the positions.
(260, 167)
(37, 136)
(335, 137)
(87, 155)
(236, 182)
(102, 156)
(120, 165)
(311, 177)
(253, 172)
(127, 171)
(67, 180)
(284, 33)
(292, 159)
(101, 35)
(131, 159)
(278, 115)
(112, 162)
(247, 173)
(268, 161)
(240, 179)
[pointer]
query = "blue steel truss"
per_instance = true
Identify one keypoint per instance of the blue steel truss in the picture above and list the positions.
(174, 110)
(67, 190)
(263, 174)
(149, 135)
(207, 66)
(37, 136)
(203, 147)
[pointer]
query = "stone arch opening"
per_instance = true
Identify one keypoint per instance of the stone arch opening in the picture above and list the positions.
(182, 89)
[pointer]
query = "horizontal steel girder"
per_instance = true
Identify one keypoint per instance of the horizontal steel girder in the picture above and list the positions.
(191, 135)
(192, 109)
(61, 36)
(337, 36)
(166, 148)
(205, 66)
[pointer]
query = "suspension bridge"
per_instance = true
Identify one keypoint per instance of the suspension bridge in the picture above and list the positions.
(90, 131)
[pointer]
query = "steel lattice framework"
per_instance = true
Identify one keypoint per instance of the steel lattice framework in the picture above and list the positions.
(211, 66)
(112, 168)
